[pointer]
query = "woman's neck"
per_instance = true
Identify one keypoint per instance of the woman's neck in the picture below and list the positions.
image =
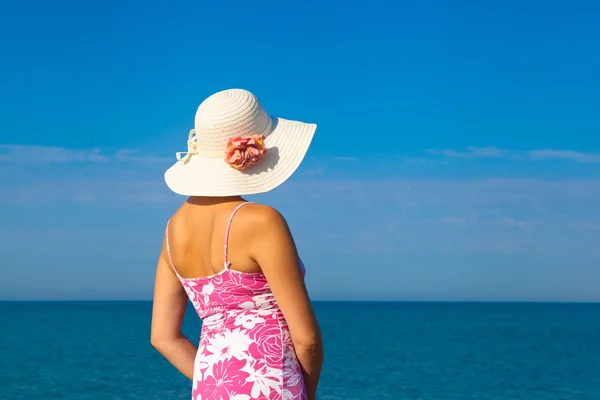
(209, 201)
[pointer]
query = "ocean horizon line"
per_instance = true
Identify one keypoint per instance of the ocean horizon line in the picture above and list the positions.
(591, 302)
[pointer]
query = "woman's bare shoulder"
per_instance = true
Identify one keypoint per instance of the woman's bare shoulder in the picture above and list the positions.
(263, 213)
(261, 220)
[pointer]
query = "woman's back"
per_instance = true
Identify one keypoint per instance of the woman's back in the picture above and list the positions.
(197, 237)
(245, 347)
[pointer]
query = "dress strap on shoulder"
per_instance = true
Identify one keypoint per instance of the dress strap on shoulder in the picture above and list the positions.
(169, 250)
(225, 248)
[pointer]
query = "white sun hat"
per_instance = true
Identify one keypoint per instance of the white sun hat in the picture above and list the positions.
(203, 170)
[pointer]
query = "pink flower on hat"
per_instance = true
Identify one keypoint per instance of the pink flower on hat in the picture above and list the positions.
(242, 152)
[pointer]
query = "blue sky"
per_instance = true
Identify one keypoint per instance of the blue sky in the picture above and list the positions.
(487, 110)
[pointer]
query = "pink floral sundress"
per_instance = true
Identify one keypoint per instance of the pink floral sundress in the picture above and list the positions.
(245, 350)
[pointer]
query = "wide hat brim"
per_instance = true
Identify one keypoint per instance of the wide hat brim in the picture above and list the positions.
(286, 144)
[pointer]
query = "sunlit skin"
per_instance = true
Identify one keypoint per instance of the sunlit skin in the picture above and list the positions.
(259, 241)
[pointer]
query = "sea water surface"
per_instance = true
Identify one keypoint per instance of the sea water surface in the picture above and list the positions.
(435, 351)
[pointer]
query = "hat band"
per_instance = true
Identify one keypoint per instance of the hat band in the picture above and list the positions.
(193, 150)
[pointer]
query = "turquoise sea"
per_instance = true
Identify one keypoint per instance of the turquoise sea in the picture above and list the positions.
(434, 351)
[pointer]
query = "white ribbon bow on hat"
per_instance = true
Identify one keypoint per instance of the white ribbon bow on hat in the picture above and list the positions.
(192, 143)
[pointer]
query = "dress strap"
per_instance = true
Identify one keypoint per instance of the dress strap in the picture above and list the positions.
(227, 232)
(169, 249)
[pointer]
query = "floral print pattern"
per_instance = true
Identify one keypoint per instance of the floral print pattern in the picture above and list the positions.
(245, 350)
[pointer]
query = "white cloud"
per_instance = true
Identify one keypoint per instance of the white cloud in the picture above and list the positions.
(473, 152)
(372, 217)
(49, 154)
(28, 155)
(587, 158)
(455, 221)
(109, 193)
(525, 226)
(448, 201)
(134, 156)
(485, 192)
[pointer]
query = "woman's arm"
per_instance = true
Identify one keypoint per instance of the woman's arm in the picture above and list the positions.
(273, 248)
(168, 310)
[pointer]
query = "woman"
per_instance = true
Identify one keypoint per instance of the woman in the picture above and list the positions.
(236, 261)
